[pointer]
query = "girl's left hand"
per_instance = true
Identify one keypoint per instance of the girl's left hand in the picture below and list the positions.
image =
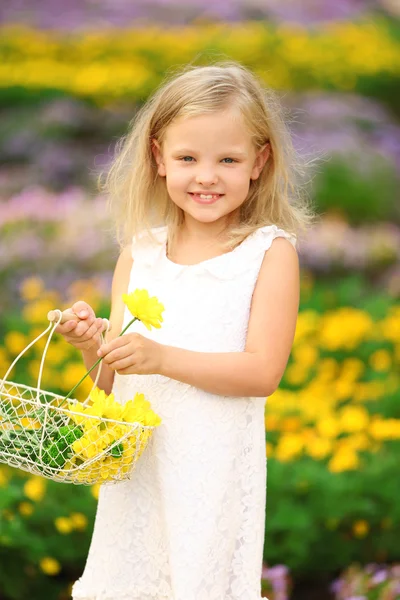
(132, 354)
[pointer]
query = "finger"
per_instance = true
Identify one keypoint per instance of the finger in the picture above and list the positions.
(119, 353)
(122, 364)
(101, 324)
(82, 309)
(66, 327)
(86, 322)
(118, 342)
(92, 332)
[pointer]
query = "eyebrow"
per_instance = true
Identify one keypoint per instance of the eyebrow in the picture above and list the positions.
(236, 152)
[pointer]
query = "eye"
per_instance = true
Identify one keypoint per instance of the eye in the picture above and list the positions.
(183, 158)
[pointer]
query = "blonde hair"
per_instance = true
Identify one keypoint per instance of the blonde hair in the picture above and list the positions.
(137, 196)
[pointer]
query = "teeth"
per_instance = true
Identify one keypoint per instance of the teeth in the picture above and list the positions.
(208, 197)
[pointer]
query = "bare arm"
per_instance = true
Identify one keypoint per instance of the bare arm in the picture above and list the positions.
(259, 369)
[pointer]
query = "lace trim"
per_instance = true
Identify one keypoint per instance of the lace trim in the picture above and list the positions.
(133, 595)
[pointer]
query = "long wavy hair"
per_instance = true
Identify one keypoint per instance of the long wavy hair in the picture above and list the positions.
(137, 196)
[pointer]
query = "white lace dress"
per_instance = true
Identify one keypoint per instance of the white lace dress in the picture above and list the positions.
(189, 524)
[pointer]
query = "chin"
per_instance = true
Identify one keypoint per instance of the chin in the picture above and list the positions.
(207, 218)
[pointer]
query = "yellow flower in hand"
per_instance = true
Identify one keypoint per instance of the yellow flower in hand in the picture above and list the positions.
(145, 308)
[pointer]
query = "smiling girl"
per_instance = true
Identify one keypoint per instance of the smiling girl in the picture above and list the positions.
(208, 208)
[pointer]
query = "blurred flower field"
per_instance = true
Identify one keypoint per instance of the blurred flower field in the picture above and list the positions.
(337, 55)
(70, 81)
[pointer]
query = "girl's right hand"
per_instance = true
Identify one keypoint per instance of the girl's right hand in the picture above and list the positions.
(85, 332)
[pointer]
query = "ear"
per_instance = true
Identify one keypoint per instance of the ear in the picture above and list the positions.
(157, 153)
(260, 160)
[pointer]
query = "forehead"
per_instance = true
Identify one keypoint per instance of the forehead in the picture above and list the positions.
(221, 128)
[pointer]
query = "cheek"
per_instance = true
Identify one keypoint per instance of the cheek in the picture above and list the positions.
(177, 183)
(239, 178)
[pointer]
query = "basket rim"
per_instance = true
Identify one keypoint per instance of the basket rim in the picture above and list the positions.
(27, 387)
(65, 410)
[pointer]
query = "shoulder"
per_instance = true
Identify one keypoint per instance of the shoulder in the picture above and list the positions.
(266, 235)
(280, 263)
(278, 279)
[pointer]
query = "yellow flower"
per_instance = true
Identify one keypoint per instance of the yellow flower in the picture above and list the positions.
(15, 341)
(95, 490)
(360, 528)
(31, 288)
(353, 418)
(147, 310)
(103, 405)
(318, 447)
(30, 423)
(344, 328)
(79, 521)
(138, 411)
(385, 429)
(296, 374)
(90, 444)
(26, 509)
(328, 427)
(343, 460)
(306, 354)
(63, 525)
(290, 446)
(380, 360)
(35, 488)
(50, 566)
(78, 407)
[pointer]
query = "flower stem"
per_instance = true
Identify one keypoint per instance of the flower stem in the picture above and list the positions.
(95, 365)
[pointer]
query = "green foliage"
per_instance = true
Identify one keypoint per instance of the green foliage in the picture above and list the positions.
(26, 539)
(311, 513)
(363, 196)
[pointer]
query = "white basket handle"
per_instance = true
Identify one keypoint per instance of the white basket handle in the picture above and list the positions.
(57, 317)
(51, 326)
(69, 315)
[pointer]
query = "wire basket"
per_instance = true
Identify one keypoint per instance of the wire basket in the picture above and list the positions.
(40, 434)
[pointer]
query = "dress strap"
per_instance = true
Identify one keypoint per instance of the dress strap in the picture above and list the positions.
(266, 235)
(250, 252)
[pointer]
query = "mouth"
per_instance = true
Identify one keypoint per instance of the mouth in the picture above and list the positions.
(205, 198)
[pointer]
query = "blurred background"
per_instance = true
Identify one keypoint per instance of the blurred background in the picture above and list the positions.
(71, 78)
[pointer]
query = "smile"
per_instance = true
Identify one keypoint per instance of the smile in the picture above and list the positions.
(205, 198)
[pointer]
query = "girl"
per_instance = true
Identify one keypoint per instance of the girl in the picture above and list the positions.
(208, 209)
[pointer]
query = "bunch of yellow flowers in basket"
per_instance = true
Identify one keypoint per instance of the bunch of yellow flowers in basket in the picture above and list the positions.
(88, 438)
(95, 441)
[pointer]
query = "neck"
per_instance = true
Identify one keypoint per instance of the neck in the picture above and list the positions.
(203, 232)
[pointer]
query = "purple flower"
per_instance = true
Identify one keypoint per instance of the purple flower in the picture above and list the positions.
(336, 586)
(380, 576)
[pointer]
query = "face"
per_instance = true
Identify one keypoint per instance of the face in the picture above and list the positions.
(208, 162)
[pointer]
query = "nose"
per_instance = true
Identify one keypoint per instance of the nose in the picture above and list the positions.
(206, 176)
